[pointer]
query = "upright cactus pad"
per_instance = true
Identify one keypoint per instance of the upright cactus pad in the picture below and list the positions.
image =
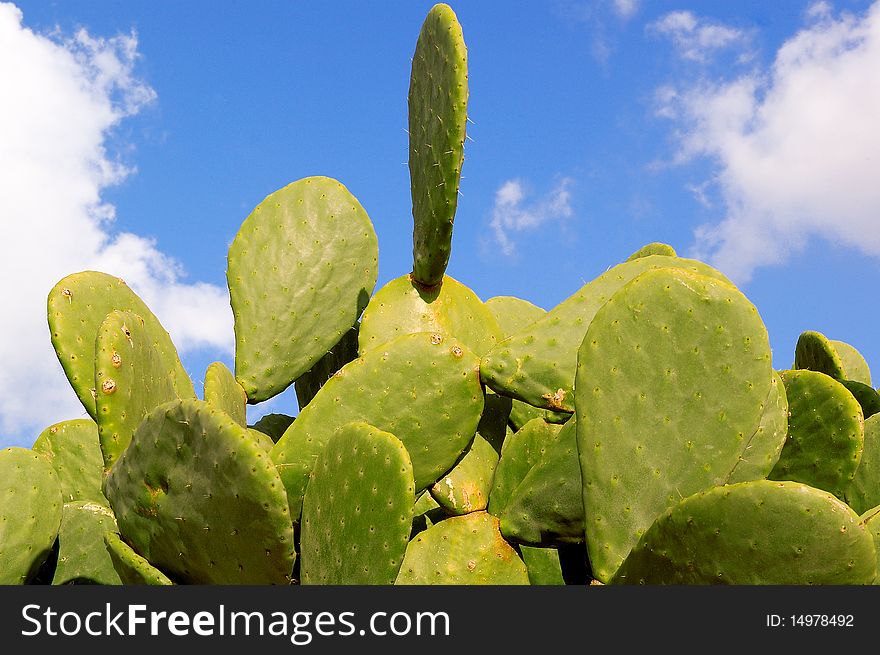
(345, 351)
(300, 272)
(200, 500)
(30, 513)
(537, 365)
(814, 351)
(403, 307)
(754, 533)
(765, 445)
(825, 433)
(357, 509)
(543, 566)
(225, 393)
(133, 377)
(655, 248)
(462, 550)
(465, 488)
(131, 568)
(438, 95)
(863, 491)
(854, 364)
(75, 452)
(82, 556)
(866, 395)
(672, 377)
(423, 388)
(77, 305)
(513, 314)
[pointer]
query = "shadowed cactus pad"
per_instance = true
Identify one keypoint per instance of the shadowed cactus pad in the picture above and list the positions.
(755, 533)
(300, 272)
(30, 513)
(346, 350)
(77, 305)
(423, 388)
(672, 377)
(466, 550)
(82, 556)
(131, 567)
(840, 360)
(73, 448)
(438, 95)
(133, 377)
(199, 499)
(825, 432)
(357, 509)
(863, 491)
(543, 565)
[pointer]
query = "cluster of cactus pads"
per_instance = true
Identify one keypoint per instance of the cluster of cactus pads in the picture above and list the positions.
(637, 433)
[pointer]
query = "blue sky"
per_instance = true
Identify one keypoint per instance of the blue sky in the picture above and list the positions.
(136, 136)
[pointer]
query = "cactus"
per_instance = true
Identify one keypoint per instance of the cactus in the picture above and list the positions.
(225, 393)
(131, 568)
(866, 396)
(853, 361)
(863, 491)
(300, 271)
(345, 351)
(543, 566)
(273, 425)
(825, 432)
(75, 452)
(82, 556)
(755, 533)
(77, 305)
(655, 248)
(538, 364)
(672, 377)
(407, 388)
(357, 510)
(426, 512)
(465, 550)
(840, 360)
(438, 95)
(30, 513)
(200, 500)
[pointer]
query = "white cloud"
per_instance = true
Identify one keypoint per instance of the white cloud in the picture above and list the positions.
(61, 98)
(626, 9)
(697, 39)
(795, 147)
(511, 214)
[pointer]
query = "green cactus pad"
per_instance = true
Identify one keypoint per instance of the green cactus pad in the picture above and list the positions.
(263, 440)
(754, 533)
(345, 351)
(357, 510)
(300, 272)
(466, 487)
(854, 363)
(75, 452)
(273, 425)
(521, 451)
(814, 351)
(423, 388)
(134, 377)
(871, 520)
(82, 556)
(672, 378)
(655, 248)
(825, 432)
(763, 448)
(77, 305)
(131, 568)
(225, 393)
(462, 550)
(537, 365)
(543, 565)
(199, 499)
(438, 95)
(867, 396)
(403, 307)
(30, 513)
(513, 314)
(426, 512)
(547, 507)
(863, 492)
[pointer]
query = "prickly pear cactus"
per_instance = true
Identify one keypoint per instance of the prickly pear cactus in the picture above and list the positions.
(300, 272)
(199, 499)
(754, 533)
(863, 491)
(513, 314)
(672, 377)
(131, 568)
(225, 393)
(273, 425)
(357, 509)
(82, 556)
(655, 248)
(866, 396)
(465, 550)
(345, 351)
(75, 452)
(854, 363)
(543, 566)
(438, 96)
(30, 513)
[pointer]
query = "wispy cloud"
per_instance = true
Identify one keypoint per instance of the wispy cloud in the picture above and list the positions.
(795, 146)
(62, 97)
(625, 9)
(512, 214)
(698, 39)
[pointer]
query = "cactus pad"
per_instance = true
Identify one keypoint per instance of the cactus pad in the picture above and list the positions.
(438, 95)
(513, 314)
(655, 248)
(131, 567)
(225, 393)
(30, 513)
(357, 510)
(672, 377)
(75, 452)
(199, 499)
(543, 565)
(82, 556)
(863, 492)
(754, 533)
(300, 272)
(463, 550)
(345, 351)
